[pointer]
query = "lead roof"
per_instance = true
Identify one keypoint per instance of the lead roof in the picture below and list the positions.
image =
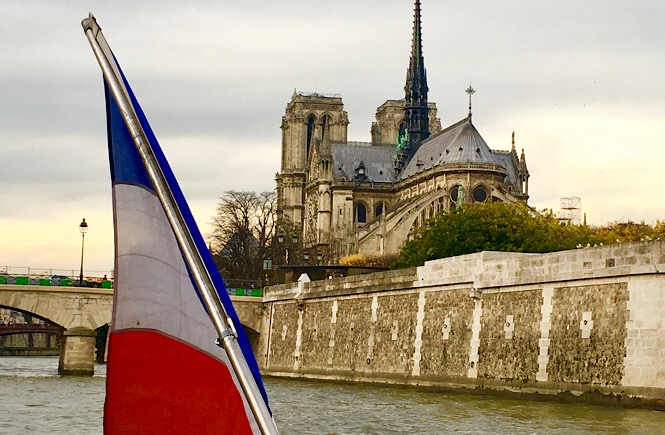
(378, 161)
(459, 143)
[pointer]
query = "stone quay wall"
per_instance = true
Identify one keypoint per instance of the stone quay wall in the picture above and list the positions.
(586, 324)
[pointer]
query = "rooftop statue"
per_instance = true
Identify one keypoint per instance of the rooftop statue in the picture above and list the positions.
(402, 140)
(460, 196)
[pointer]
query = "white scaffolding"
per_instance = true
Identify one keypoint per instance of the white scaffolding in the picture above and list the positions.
(571, 210)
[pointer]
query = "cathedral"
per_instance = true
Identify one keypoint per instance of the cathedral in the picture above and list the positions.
(345, 197)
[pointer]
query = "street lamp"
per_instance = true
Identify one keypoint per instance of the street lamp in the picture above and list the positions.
(280, 239)
(84, 229)
(318, 258)
(294, 239)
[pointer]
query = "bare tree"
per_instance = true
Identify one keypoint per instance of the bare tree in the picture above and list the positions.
(266, 221)
(243, 227)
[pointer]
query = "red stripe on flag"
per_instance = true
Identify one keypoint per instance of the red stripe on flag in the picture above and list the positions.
(158, 385)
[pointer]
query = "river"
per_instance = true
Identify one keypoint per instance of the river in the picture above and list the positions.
(35, 400)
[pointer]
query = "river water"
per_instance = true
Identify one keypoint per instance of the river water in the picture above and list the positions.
(35, 400)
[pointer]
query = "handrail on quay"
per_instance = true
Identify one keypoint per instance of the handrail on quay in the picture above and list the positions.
(51, 278)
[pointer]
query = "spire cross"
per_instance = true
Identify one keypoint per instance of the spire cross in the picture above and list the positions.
(470, 91)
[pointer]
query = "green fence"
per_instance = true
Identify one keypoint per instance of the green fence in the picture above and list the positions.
(105, 284)
(57, 282)
(254, 292)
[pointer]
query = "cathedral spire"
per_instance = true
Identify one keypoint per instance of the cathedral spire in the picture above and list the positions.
(416, 111)
(416, 79)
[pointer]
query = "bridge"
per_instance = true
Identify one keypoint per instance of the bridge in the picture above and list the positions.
(78, 311)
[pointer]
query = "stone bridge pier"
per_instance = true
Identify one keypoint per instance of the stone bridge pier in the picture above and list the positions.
(77, 352)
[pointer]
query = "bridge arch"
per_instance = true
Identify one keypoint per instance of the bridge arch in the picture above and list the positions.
(29, 326)
(251, 312)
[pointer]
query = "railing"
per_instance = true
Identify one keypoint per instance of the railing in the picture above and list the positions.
(106, 284)
(26, 275)
(243, 287)
(364, 184)
(55, 281)
(253, 292)
(48, 271)
(50, 278)
(319, 94)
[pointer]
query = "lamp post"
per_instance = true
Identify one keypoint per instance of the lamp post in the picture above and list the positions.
(280, 239)
(318, 258)
(294, 239)
(84, 229)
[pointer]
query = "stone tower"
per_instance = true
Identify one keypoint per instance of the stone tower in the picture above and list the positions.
(307, 116)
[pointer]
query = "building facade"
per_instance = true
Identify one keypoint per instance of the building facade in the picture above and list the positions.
(347, 197)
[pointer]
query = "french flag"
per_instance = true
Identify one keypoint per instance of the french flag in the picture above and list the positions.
(165, 372)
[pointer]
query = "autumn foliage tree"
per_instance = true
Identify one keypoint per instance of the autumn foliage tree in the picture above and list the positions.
(511, 228)
(362, 260)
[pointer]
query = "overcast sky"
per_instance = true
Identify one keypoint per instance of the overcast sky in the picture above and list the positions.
(580, 83)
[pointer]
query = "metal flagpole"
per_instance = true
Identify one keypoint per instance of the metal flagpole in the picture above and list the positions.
(222, 322)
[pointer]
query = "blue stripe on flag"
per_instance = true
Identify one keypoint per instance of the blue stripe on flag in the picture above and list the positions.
(124, 158)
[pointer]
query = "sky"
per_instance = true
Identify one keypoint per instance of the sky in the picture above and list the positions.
(580, 83)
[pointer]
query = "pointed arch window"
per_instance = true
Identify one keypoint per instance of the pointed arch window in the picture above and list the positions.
(360, 213)
(311, 122)
(380, 208)
(440, 205)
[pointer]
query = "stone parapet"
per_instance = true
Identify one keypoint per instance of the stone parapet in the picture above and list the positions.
(344, 286)
(501, 269)
(626, 259)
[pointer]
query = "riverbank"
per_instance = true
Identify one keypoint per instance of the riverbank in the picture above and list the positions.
(565, 395)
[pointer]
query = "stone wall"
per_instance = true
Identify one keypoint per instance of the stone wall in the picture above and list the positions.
(583, 321)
